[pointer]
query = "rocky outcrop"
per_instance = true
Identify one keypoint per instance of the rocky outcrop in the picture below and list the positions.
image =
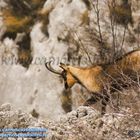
(87, 123)
(16, 118)
(83, 123)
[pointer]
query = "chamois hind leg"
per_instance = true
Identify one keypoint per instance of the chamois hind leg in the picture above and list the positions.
(105, 100)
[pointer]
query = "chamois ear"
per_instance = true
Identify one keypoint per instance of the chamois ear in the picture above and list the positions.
(63, 66)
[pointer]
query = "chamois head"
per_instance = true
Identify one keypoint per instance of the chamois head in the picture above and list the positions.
(69, 79)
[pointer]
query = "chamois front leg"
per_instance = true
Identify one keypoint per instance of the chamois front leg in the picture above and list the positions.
(104, 98)
(93, 99)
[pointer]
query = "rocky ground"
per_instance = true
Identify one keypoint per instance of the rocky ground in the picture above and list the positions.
(85, 123)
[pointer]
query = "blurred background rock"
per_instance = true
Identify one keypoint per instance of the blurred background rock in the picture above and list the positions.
(78, 32)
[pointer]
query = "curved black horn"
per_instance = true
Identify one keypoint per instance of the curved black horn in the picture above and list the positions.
(49, 67)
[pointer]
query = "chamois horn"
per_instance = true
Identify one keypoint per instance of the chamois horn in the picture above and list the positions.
(49, 67)
(63, 66)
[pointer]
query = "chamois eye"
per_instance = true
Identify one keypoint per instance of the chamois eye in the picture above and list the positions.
(66, 85)
(64, 74)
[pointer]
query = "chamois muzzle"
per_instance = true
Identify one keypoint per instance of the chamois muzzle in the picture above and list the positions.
(50, 68)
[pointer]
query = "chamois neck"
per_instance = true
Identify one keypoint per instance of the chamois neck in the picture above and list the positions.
(87, 77)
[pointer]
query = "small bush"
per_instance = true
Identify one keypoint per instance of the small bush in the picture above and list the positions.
(121, 14)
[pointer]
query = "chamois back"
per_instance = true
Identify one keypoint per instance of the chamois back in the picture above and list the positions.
(126, 64)
(97, 79)
(94, 78)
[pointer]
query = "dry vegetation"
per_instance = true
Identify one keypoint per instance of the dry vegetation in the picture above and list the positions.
(120, 15)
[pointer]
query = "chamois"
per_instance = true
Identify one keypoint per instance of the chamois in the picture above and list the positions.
(95, 78)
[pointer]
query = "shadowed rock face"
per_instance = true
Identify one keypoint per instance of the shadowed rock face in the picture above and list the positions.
(24, 51)
(19, 17)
